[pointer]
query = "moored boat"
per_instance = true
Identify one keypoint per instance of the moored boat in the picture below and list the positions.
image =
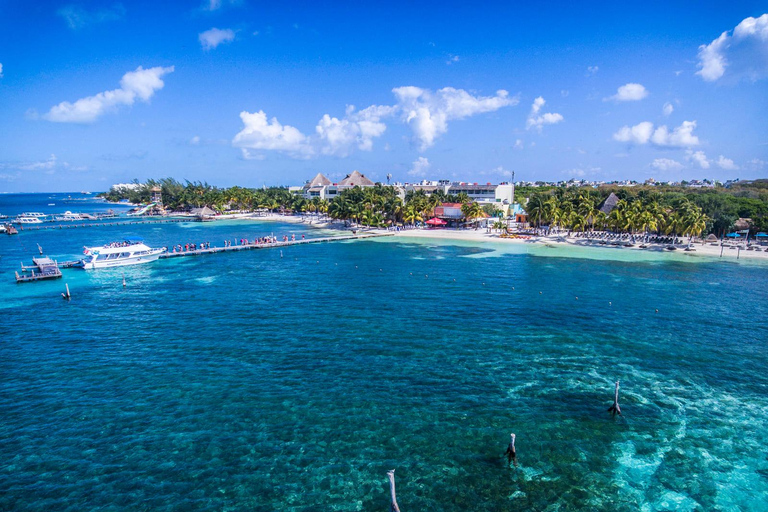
(131, 251)
(27, 219)
(69, 216)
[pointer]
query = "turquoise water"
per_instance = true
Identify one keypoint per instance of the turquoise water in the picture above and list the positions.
(248, 381)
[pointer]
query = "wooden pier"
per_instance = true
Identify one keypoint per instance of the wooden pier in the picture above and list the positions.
(46, 269)
(271, 245)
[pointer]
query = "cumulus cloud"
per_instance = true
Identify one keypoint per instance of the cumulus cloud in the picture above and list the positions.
(745, 52)
(419, 167)
(140, 84)
(698, 157)
(76, 17)
(213, 37)
(49, 165)
(247, 155)
(536, 120)
(215, 5)
(629, 92)
(258, 133)
(666, 164)
(642, 133)
(428, 113)
(667, 109)
(355, 129)
(726, 164)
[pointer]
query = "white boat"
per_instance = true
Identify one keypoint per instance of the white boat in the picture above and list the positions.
(3, 229)
(129, 252)
(33, 214)
(69, 216)
(27, 219)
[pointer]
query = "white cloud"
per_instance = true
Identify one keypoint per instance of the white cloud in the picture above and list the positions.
(215, 5)
(140, 84)
(257, 133)
(592, 70)
(77, 17)
(419, 167)
(356, 128)
(452, 59)
(500, 171)
(195, 141)
(667, 109)
(49, 166)
(745, 52)
(726, 163)
(629, 92)
(538, 121)
(666, 164)
(518, 144)
(642, 133)
(680, 137)
(697, 157)
(213, 37)
(247, 155)
(756, 164)
(428, 113)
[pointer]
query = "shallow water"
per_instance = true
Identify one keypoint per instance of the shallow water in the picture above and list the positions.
(248, 381)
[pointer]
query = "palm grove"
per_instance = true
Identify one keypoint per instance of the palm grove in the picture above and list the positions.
(641, 209)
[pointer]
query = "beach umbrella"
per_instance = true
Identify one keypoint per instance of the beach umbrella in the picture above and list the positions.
(762, 235)
(712, 238)
(434, 221)
(733, 235)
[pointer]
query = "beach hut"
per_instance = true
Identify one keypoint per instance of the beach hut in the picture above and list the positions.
(712, 239)
(609, 204)
(203, 214)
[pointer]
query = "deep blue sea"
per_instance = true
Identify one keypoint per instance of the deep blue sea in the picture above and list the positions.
(251, 381)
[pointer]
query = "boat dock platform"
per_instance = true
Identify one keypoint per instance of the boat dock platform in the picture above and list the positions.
(270, 245)
(43, 268)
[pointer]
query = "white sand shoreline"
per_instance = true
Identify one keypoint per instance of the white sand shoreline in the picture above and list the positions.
(481, 236)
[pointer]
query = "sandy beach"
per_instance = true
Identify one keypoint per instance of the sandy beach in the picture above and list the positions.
(480, 236)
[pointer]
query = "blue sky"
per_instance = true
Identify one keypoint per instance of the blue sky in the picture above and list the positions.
(251, 93)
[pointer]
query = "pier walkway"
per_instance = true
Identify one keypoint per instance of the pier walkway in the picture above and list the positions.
(270, 245)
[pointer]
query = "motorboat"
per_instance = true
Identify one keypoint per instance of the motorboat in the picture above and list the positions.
(131, 251)
(68, 216)
(27, 219)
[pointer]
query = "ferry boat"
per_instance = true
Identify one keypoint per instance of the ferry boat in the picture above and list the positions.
(26, 218)
(131, 251)
(69, 216)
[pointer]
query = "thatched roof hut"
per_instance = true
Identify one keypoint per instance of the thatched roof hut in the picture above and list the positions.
(742, 223)
(609, 204)
(356, 180)
(318, 181)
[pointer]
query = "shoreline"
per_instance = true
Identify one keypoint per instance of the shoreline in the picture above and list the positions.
(481, 236)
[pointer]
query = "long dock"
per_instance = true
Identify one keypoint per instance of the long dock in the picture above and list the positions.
(49, 269)
(271, 245)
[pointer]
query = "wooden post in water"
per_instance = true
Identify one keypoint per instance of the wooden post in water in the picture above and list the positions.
(123, 280)
(615, 409)
(66, 296)
(391, 475)
(40, 249)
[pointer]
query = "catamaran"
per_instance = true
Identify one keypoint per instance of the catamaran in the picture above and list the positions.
(131, 251)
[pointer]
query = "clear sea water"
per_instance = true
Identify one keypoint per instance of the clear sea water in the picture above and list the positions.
(248, 381)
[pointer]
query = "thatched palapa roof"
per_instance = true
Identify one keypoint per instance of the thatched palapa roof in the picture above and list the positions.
(609, 204)
(356, 180)
(318, 181)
